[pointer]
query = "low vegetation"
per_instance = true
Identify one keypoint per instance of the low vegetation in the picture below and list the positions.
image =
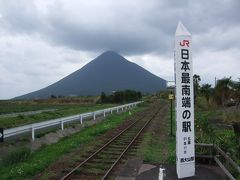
(151, 149)
(159, 148)
(17, 155)
(217, 116)
(14, 106)
(213, 127)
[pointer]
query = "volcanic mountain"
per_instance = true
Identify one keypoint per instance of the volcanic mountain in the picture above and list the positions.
(108, 72)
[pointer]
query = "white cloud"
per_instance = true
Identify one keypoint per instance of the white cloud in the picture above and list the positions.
(219, 64)
(27, 64)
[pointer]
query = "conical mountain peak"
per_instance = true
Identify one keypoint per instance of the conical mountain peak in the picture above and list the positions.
(110, 55)
(107, 73)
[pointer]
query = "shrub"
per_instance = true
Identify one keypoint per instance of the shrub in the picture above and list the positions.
(20, 116)
(121, 96)
(17, 155)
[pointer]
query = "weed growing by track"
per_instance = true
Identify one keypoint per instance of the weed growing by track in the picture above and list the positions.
(40, 159)
(171, 144)
(16, 155)
(155, 149)
(151, 149)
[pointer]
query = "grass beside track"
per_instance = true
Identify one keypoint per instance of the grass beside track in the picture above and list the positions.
(153, 150)
(62, 111)
(40, 159)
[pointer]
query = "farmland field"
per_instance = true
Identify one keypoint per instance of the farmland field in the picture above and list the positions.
(13, 106)
(60, 107)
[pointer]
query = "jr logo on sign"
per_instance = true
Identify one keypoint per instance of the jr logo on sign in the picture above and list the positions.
(184, 42)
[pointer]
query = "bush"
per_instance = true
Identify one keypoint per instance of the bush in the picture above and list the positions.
(20, 116)
(121, 96)
(17, 155)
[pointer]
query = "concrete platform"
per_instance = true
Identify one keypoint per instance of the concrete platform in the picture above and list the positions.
(203, 172)
(136, 170)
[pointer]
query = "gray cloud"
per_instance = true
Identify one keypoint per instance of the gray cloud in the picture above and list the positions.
(52, 36)
(20, 16)
(130, 28)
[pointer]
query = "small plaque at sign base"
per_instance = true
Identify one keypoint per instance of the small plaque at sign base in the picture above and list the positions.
(1, 134)
(170, 96)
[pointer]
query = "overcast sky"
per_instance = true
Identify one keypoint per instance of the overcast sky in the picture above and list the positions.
(42, 41)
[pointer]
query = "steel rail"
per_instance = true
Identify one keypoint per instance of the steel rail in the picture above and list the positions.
(108, 143)
(100, 149)
(129, 145)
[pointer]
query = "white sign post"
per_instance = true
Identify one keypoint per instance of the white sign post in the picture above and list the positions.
(185, 150)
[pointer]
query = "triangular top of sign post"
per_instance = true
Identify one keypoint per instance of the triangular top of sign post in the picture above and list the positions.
(182, 30)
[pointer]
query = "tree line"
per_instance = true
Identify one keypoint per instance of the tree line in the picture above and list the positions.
(121, 96)
(225, 93)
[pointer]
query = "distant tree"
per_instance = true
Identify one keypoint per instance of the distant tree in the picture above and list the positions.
(196, 86)
(206, 91)
(103, 97)
(235, 86)
(53, 96)
(118, 97)
(139, 95)
(222, 90)
(121, 96)
(130, 95)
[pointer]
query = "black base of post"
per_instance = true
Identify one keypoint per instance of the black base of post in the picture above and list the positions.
(1, 134)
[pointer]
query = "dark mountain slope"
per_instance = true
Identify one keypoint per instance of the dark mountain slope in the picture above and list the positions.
(108, 72)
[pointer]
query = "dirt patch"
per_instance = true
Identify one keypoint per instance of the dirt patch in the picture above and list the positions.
(145, 167)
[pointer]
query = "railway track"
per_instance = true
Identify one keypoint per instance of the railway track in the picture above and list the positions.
(100, 164)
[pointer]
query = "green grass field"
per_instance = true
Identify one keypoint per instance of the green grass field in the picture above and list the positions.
(14, 106)
(62, 111)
